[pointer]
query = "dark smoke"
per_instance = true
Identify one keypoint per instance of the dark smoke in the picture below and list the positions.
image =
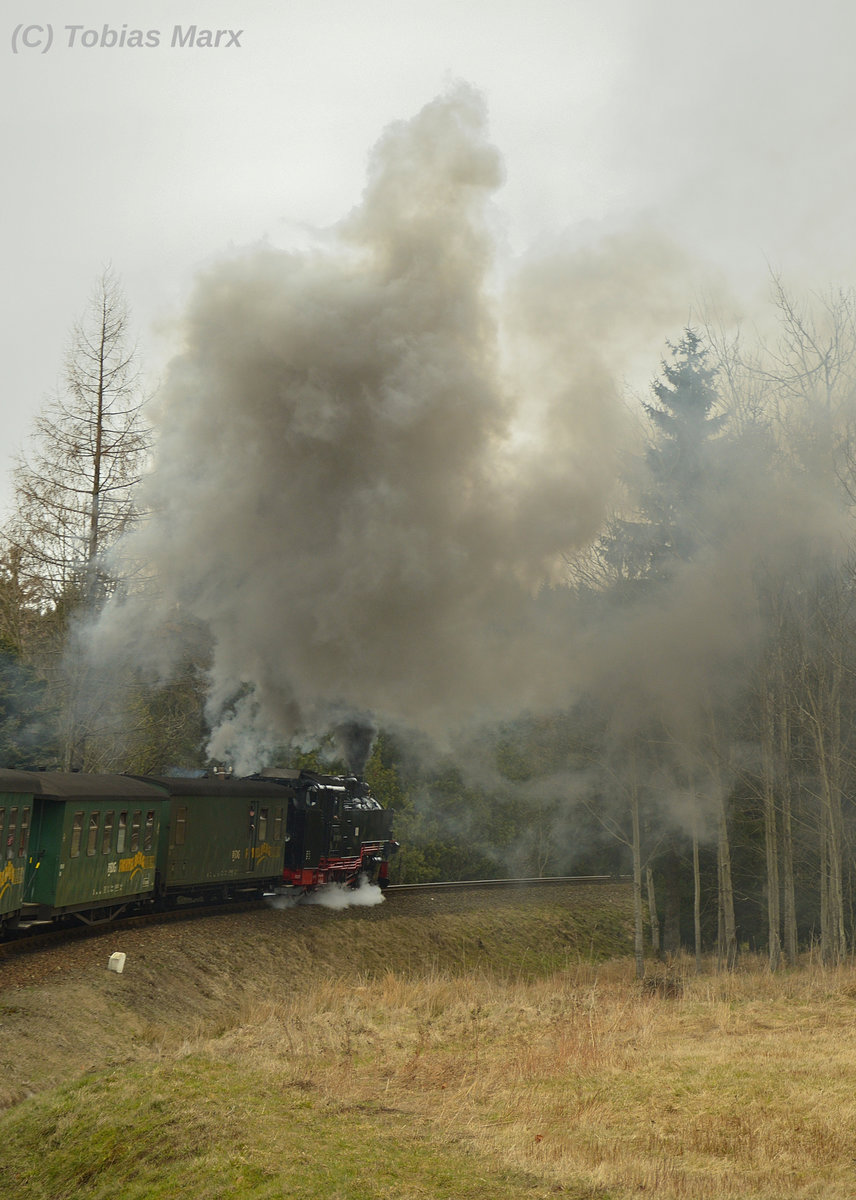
(353, 740)
(373, 457)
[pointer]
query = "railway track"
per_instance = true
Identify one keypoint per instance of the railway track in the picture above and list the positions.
(539, 881)
(40, 936)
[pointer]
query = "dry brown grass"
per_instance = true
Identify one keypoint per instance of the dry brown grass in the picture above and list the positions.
(717, 1086)
(487, 1033)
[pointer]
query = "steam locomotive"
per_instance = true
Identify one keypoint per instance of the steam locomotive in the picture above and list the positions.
(95, 846)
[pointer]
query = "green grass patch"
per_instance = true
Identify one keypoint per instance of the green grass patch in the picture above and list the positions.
(197, 1129)
(511, 940)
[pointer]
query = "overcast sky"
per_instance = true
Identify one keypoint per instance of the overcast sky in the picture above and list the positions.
(728, 126)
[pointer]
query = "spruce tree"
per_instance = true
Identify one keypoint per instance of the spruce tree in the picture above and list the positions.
(678, 459)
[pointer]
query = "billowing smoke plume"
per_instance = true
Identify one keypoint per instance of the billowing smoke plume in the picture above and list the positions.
(373, 456)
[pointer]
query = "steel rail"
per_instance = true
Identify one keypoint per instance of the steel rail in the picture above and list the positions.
(38, 937)
(538, 881)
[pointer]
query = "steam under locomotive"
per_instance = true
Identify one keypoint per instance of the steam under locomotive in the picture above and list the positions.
(95, 846)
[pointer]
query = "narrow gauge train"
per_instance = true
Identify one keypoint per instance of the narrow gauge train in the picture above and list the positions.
(94, 846)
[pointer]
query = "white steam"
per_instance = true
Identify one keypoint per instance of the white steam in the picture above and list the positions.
(332, 895)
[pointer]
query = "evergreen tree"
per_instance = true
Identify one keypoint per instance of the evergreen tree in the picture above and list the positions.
(637, 558)
(678, 459)
(668, 526)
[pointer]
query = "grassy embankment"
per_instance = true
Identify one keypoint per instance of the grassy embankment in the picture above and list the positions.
(475, 1065)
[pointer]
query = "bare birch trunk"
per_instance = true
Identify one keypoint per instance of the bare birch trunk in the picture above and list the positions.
(652, 911)
(823, 709)
(696, 903)
(774, 920)
(638, 941)
(728, 925)
(789, 895)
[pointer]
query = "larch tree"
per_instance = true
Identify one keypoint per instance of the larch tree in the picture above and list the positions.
(75, 485)
(74, 497)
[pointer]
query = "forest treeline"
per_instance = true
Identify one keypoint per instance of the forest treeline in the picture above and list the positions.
(706, 746)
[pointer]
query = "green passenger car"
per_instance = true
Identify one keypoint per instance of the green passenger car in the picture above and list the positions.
(16, 807)
(226, 837)
(93, 844)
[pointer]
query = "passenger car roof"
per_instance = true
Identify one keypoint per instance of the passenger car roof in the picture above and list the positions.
(63, 785)
(182, 786)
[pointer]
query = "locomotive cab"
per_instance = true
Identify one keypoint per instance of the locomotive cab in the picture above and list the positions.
(337, 831)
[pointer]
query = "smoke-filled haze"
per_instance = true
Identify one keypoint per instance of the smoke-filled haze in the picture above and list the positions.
(373, 455)
(375, 459)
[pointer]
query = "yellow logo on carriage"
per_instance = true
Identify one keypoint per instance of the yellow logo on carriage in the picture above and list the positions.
(137, 862)
(262, 851)
(10, 876)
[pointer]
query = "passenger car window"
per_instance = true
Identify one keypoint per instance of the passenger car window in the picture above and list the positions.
(107, 836)
(92, 841)
(148, 841)
(263, 820)
(25, 831)
(277, 826)
(180, 825)
(136, 821)
(76, 834)
(122, 833)
(10, 837)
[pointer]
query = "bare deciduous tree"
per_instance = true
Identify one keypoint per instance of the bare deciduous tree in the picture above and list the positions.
(75, 485)
(75, 495)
